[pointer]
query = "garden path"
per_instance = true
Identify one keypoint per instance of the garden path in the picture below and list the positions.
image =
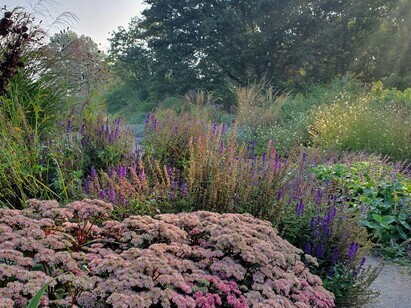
(394, 283)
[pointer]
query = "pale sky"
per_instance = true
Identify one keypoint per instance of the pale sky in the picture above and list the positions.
(97, 18)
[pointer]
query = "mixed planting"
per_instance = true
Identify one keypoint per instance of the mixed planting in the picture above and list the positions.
(276, 201)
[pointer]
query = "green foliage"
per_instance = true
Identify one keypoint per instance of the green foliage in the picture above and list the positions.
(36, 300)
(380, 192)
(25, 115)
(180, 45)
(290, 122)
(379, 122)
(166, 138)
(351, 287)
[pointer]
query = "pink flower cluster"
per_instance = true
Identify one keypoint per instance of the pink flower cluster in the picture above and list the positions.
(199, 259)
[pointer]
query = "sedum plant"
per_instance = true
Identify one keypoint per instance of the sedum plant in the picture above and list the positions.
(199, 259)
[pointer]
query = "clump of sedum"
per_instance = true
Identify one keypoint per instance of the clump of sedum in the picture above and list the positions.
(199, 259)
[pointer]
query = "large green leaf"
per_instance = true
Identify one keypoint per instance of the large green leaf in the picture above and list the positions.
(35, 301)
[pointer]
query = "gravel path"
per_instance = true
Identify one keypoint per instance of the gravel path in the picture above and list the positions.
(394, 283)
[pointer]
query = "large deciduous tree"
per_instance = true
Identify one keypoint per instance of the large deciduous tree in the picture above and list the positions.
(183, 44)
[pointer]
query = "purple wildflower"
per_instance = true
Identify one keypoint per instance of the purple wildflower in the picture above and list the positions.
(184, 188)
(222, 148)
(304, 157)
(112, 194)
(362, 263)
(103, 194)
(122, 171)
(87, 185)
(307, 248)
(93, 173)
(112, 137)
(279, 195)
(147, 119)
(223, 129)
(312, 221)
(300, 208)
(320, 250)
(352, 252)
(319, 196)
(213, 129)
(335, 256)
(68, 126)
(111, 173)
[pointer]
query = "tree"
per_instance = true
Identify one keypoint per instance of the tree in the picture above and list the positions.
(202, 44)
(76, 63)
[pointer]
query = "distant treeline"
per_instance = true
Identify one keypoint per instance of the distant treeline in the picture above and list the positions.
(179, 45)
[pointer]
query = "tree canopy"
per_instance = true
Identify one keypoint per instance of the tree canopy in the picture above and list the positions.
(179, 45)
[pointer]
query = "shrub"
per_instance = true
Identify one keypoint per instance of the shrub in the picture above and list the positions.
(316, 218)
(380, 193)
(258, 105)
(225, 176)
(293, 114)
(200, 259)
(18, 34)
(21, 171)
(365, 124)
(138, 189)
(166, 138)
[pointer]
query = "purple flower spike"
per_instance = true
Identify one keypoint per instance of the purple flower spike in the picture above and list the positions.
(335, 257)
(148, 116)
(319, 196)
(68, 126)
(87, 185)
(222, 147)
(103, 194)
(363, 261)
(122, 171)
(352, 252)
(112, 137)
(279, 195)
(307, 248)
(300, 208)
(312, 221)
(112, 194)
(304, 157)
(93, 173)
(184, 188)
(214, 129)
(320, 250)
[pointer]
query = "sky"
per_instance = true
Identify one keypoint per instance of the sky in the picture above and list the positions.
(96, 18)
